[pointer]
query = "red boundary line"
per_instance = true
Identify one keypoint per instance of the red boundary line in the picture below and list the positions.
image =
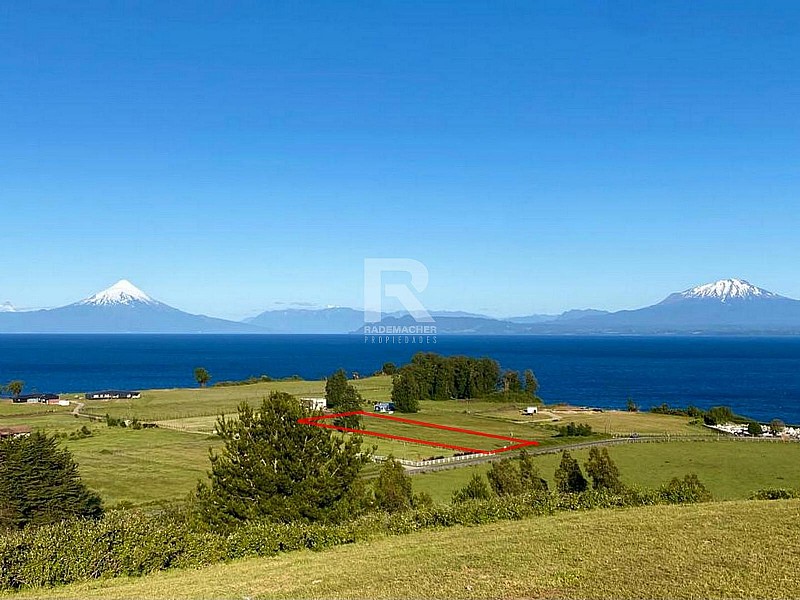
(315, 421)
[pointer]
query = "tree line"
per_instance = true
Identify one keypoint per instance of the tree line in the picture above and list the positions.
(430, 376)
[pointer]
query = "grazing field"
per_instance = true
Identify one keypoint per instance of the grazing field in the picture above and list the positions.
(164, 464)
(182, 403)
(141, 466)
(11, 409)
(731, 469)
(643, 423)
(716, 550)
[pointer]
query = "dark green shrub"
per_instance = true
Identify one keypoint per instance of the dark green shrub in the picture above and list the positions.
(476, 489)
(775, 494)
(684, 491)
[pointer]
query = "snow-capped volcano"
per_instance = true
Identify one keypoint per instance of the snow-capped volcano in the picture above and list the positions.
(725, 290)
(7, 307)
(122, 292)
(122, 308)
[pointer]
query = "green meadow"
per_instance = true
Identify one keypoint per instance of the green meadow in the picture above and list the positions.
(163, 464)
(731, 469)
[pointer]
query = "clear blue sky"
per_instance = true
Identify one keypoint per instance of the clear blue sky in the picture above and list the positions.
(536, 156)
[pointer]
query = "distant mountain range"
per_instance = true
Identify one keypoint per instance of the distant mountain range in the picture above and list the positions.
(725, 306)
(122, 308)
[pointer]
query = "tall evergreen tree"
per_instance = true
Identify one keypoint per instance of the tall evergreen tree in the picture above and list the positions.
(406, 391)
(530, 477)
(272, 467)
(39, 483)
(531, 384)
(336, 388)
(602, 470)
(568, 476)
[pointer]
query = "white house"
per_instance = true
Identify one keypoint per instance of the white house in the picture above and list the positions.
(531, 410)
(315, 403)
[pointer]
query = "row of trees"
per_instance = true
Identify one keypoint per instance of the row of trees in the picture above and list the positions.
(513, 477)
(430, 376)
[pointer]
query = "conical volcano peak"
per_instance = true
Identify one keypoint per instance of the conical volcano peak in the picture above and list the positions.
(728, 289)
(122, 292)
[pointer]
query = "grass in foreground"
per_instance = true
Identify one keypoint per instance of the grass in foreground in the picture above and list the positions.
(718, 550)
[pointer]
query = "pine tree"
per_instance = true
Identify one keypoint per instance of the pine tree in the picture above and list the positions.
(476, 489)
(392, 487)
(272, 467)
(335, 389)
(568, 476)
(39, 483)
(529, 474)
(602, 470)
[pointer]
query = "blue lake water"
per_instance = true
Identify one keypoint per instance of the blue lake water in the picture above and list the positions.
(758, 376)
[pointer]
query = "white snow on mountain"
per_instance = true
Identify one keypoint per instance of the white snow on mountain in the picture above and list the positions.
(122, 292)
(728, 289)
(7, 307)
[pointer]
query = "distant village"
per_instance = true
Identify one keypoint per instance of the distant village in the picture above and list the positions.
(742, 430)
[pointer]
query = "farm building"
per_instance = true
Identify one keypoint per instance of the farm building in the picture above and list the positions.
(113, 395)
(35, 398)
(384, 407)
(315, 403)
(531, 410)
(15, 431)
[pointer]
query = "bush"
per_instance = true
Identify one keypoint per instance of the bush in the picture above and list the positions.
(775, 494)
(132, 543)
(392, 487)
(505, 479)
(476, 489)
(686, 491)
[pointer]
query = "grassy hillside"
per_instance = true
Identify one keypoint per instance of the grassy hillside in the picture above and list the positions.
(731, 469)
(720, 550)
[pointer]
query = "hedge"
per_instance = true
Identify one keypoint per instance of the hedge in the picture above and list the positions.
(128, 542)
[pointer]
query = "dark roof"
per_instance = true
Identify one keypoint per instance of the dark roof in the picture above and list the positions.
(119, 392)
(32, 396)
(14, 430)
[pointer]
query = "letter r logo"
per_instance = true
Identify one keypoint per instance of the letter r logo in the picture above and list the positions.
(375, 290)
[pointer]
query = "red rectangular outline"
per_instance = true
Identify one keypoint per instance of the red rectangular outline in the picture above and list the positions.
(315, 421)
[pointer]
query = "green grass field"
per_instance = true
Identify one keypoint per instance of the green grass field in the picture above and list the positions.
(716, 550)
(141, 466)
(182, 403)
(731, 469)
(164, 464)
